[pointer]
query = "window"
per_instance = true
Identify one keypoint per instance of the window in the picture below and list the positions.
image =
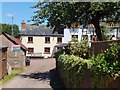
(30, 50)
(47, 50)
(59, 40)
(30, 39)
(85, 37)
(111, 24)
(93, 38)
(74, 37)
(47, 39)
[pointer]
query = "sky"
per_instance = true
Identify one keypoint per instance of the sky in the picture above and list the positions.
(18, 10)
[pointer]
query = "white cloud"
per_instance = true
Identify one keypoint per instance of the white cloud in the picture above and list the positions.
(9, 15)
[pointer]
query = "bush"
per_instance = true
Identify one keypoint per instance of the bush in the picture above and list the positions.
(78, 49)
(106, 66)
(108, 62)
(72, 69)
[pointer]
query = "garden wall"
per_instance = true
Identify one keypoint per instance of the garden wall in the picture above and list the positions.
(100, 46)
(3, 62)
(88, 80)
(76, 74)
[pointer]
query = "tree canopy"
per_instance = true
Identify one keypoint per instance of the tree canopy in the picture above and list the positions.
(62, 14)
(7, 28)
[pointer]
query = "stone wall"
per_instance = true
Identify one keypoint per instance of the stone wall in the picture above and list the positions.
(15, 60)
(3, 62)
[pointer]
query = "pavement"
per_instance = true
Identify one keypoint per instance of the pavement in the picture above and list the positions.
(40, 74)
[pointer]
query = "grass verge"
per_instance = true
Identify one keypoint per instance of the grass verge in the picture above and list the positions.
(9, 77)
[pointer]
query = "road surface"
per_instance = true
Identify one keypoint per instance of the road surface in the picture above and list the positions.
(40, 74)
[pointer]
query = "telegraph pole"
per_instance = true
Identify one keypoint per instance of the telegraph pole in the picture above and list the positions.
(12, 25)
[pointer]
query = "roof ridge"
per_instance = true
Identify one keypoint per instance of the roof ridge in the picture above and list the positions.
(41, 31)
(15, 40)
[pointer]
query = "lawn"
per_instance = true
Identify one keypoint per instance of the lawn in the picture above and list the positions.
(9, 77)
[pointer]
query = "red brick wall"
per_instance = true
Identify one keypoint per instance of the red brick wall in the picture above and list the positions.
(100, 46)
(3, 63)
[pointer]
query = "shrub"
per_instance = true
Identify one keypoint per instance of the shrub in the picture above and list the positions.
(106, 66)
(78, 49)
(108, 62)
(72, 70)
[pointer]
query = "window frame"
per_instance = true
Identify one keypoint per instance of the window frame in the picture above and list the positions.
(84, 37)
(47, 50)
(72, 37)
(47, 39)
(32, 50)
(30, 39)
(59, 39)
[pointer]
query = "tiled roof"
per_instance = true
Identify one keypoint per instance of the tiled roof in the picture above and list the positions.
(39, 31)
(14, 40)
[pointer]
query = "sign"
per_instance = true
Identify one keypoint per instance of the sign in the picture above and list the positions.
(16, 48)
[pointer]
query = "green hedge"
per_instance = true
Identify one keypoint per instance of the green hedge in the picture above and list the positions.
(106, 66)
(98, 72)
(72, 69)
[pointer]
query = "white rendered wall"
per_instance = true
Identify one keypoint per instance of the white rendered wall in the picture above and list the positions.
(69, 32)
(39, 44)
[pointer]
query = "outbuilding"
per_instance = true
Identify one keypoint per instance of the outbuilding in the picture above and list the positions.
(16, 51)
(3, 61)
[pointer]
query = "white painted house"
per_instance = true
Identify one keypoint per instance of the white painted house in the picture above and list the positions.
(79, 33)
(89, 32)
(40, 41)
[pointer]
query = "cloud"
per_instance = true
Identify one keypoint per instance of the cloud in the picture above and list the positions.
(9, 15)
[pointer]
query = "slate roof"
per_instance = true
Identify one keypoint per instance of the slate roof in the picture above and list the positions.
(39, 31)
(14, 40)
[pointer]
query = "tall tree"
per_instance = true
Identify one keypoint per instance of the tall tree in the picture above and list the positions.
(61, 14)
(7, 28)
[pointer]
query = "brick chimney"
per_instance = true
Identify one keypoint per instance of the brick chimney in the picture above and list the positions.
(23, 25)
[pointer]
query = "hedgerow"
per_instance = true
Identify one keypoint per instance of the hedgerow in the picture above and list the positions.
(104, 68)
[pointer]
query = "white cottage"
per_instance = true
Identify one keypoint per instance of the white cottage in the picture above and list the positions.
(40, 41)
(79, 33)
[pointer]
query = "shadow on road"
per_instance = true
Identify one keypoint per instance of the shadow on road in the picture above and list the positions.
(55, 81)
(52, 75)
(37, 75)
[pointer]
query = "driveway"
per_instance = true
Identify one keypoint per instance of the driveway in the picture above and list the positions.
(40, 74)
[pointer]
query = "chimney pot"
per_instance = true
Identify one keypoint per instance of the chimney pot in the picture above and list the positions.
(23, 25)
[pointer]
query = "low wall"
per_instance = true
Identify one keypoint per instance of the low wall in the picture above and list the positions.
(88, 80)
(16, 59)
(100, 46)
(3, 62)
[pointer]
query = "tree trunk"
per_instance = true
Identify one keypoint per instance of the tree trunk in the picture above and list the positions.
(97, 30)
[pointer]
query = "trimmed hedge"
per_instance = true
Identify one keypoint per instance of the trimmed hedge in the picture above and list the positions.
(72, 70)
(98, 72)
